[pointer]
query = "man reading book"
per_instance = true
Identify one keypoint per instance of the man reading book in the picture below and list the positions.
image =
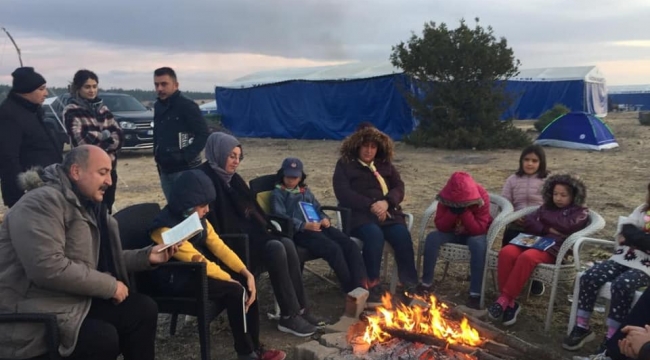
(60, 254)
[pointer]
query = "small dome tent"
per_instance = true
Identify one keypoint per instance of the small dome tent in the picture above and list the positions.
(577, 130)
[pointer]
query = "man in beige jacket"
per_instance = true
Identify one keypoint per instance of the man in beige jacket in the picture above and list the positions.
(60, 254)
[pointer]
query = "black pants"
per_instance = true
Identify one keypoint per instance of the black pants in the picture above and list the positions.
(109, 194)
(340, 252)
(128, 328)
(281, 260)
(231, 296)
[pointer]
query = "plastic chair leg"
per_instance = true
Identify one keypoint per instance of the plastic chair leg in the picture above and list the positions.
(574, 304)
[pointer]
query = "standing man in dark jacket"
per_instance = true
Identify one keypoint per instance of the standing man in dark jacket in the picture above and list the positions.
(180, 132)
(25, 140)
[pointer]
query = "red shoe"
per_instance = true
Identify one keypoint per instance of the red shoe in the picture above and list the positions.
(272, 355)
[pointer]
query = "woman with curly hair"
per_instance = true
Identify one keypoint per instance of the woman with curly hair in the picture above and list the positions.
(366, 181)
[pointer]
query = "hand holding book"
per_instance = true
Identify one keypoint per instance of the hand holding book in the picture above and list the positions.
(181, 232)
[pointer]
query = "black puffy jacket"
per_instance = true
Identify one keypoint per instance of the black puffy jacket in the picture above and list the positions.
(179, 134)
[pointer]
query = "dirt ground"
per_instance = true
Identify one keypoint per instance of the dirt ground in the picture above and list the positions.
(616, 181)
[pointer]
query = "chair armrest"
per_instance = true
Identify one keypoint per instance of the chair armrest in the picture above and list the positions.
(240, 244)
(503, 203)
(428, 213)
(344, 213)
(596, 223)
(587, 240)
(510, 218)
(48, 320)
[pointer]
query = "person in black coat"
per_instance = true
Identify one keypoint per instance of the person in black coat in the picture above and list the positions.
(236, 211)
(180, 132)
(25, 140)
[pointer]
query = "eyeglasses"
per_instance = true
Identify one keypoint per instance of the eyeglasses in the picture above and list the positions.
(233, 156)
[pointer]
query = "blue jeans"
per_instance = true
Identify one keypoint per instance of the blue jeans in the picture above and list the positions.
(399, 237)
(477, 247)
(166, 182)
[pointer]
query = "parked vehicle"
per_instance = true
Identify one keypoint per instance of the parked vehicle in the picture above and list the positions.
(135, 119)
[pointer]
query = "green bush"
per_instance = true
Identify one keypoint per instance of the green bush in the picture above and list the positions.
(549, 115)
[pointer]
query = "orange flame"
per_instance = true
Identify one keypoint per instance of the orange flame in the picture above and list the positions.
(418, 319)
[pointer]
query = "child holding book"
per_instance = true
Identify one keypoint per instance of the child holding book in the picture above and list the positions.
(562, 214)
(523, 189)
(318, 237)
(191, 193)
(628, 269)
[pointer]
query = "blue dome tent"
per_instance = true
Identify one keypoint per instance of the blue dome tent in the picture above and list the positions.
(577, 130)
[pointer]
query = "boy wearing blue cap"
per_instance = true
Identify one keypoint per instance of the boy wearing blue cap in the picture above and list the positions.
(313, 230)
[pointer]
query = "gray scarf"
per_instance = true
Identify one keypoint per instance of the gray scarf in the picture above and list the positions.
(217, 149)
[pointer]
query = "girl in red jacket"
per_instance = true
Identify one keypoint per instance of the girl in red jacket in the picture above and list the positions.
(561, 215)
(462, 217)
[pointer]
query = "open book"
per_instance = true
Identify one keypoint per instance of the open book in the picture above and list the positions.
(533, 241)
(183, 231)
(309, 212)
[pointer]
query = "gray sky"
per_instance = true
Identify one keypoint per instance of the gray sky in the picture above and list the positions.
(215, 41)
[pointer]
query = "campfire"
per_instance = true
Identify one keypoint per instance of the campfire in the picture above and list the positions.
(422, 329)
(427, 329)
(425, 317)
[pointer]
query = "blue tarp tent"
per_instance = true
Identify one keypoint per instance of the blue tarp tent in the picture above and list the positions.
(577, 130)
(316, 103)
(328, 102)
(635, 97)
(580, 88)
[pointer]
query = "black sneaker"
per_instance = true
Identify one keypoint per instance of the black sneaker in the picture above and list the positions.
(510, 314)
(577, 338)
(296, 325)
(474, 302)
(537, 288)
(318, 322)
(495, 311)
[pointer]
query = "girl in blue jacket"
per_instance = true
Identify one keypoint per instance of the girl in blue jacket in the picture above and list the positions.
(317, 236)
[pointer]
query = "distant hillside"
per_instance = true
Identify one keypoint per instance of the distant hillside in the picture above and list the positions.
(142, 95)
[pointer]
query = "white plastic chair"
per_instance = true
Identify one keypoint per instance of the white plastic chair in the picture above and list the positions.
(550, 274)
(458, 253)
(604, 292)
